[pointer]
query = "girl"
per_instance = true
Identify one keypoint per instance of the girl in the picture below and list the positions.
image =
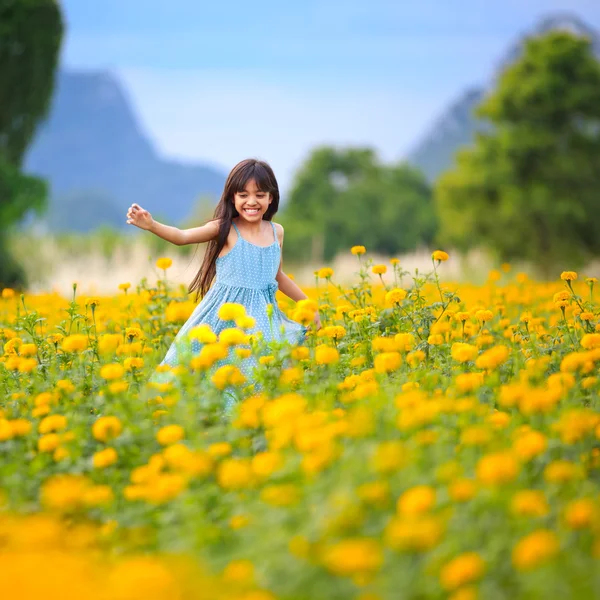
(245, 262)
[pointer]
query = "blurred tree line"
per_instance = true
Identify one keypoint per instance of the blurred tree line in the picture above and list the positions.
(530, 188)
(345, 197)
(30, 38)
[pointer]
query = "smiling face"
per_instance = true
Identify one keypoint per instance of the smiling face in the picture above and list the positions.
(252, 203)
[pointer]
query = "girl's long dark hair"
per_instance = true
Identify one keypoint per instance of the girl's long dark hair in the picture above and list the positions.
(240, 175)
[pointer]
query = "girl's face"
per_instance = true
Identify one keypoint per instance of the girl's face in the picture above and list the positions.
(252, 203)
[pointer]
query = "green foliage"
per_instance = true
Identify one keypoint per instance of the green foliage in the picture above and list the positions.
(30, 36)
(346, 197)
(528, 189)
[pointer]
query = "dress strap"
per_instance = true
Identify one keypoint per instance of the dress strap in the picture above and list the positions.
(236, 229)
(274, 231)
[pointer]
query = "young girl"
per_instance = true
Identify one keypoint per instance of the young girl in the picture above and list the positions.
(244, 261)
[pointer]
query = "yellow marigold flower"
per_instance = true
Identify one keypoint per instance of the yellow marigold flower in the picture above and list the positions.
(92, 302)
(353, 557)
(440, 255)
(497, 468)
(105, 458)
(379, 269)
(580, 514)
(464, 569)
(132, 333)
(530, 444)
(561, 471)
(462, 490)
(484, 315)
(164, 263)
(52, 423)
(116, 387)
(568, 275)
(8, 293)
(264, 464)
(65, 492)
(239, 571)
(358, 250)
(220, 449)
(529, 503)
(55, 338)
(124, 286)
(416, 500)
(435, 339)
(395, 296)
(228, 375)
(49, 442)
(230, 311)
(467, 382)
(535, 549)
(170, 434)
(326, 355)
(492, 358)
(416, 534)
(235, 474)
(394, 261)
(28, 350)
(108, 343)
(462, 352)
(283, 494)
(107, 428)
(590, 341)
(416, 357)
(325, 273)
(26, 365)
(6, 431)
(98, 495)
(387, 362)
(232, 336)
(20, 427)
(112, 371)
(133, 362)
(75, 343)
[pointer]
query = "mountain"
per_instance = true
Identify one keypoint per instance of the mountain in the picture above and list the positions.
(92, 147)
(456, 126)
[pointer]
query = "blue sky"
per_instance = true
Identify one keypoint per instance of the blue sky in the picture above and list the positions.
(218, 82)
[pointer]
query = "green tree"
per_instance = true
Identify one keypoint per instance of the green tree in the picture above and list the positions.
(529, 187)
(30, 37)
(345, 197)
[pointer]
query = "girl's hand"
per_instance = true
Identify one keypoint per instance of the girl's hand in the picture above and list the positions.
(317, 321)
(139, 217)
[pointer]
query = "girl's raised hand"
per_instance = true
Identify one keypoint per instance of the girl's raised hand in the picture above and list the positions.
(139, 217)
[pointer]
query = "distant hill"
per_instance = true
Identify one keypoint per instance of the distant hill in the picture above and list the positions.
(456, 126)
(92, 147)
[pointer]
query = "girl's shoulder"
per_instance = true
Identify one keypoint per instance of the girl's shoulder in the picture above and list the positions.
(279, 231)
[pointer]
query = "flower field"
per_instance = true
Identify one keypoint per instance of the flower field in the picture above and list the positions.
(430, 441)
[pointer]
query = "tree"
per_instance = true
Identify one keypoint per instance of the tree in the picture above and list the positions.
(30, 37)
(345, 197)
(529, 187)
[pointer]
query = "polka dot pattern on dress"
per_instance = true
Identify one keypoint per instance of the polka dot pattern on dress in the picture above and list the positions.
(245, 275)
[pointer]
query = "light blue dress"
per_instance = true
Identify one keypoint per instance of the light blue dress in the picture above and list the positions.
(245, 275)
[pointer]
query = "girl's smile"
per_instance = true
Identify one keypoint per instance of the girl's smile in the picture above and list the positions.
(252, 202)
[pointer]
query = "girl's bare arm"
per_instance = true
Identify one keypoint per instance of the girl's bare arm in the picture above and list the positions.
(141, 218)
(286, 285)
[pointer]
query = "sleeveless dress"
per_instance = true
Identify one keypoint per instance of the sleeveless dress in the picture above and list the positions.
(245, 275)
